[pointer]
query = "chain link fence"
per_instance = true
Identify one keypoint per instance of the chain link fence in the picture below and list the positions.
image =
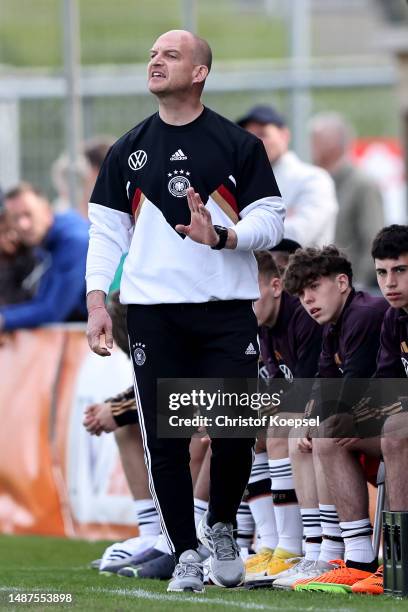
(251, 49)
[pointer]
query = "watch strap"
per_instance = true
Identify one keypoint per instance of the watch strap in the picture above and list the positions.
(223, 234)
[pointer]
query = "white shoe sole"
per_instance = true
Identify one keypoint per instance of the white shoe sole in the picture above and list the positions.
(186, 590)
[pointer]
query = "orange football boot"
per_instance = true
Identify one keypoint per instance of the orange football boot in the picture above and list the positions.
(339, 579)
(373, 585)
(335, 563)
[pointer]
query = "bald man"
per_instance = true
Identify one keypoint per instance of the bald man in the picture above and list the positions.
(360, 202)
(190, 196)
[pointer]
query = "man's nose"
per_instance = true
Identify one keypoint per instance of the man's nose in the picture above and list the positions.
(23, 223)
(390, 280)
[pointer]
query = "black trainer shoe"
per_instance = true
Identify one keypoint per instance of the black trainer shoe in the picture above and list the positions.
(160, 568)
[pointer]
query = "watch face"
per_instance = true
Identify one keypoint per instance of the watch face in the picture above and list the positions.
(223, 234)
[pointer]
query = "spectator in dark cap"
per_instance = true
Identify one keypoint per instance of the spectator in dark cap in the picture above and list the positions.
(308, 191)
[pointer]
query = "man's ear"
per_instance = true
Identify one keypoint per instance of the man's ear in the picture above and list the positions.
(287, 135)
(343, 282)
(200, 73)
(276, 284)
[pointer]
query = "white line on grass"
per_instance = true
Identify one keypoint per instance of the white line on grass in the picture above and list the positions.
(199, 599)
(195, 599)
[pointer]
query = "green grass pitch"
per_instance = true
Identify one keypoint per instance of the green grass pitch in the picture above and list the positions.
(51, 565)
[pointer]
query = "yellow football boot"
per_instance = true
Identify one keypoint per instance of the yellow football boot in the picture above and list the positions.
(255, 564)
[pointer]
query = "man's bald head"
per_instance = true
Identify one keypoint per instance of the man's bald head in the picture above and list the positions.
(200, 49)
(202, 52)
(179, 65)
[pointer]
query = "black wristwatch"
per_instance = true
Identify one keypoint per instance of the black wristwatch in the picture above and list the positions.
(223, 234)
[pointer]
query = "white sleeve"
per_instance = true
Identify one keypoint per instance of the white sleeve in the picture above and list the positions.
(315, 211)
(109, 237)
(261, 226)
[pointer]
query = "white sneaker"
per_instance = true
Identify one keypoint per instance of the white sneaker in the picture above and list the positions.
(188, 574)
(121, 554)
(306, 568)
(226, 566)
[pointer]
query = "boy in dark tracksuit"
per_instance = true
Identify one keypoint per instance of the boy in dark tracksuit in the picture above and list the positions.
(352, 322)
(390, 253)
(290, 345)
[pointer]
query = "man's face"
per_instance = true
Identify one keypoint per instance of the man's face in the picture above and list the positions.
(275, 139)
(325, 148)
(392, 277)
(324, 298)
(171, 68)
(267, 307)
(30, 216)
(318, 147)
(8, 238)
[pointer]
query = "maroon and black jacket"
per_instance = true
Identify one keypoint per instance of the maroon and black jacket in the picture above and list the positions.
(350, 345)
(392, 359)
(290, 349)
(349, 353)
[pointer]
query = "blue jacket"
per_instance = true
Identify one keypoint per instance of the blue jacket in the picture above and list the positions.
(61, 290)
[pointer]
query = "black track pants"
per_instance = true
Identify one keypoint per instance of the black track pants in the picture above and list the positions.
(191, 341)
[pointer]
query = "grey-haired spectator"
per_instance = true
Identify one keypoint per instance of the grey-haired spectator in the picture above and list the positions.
(360, 202)
(87, 168)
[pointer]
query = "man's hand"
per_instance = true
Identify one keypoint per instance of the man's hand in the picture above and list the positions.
(201, 228)
(98, 418)
(99, 324)
(304, 445)
(347, 442)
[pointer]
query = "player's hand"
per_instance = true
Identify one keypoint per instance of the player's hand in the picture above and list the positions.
(99, 324)
(201, 228)
(347, 442)
(98, 418)
(304, 445)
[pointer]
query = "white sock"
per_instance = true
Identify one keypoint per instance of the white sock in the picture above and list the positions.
(200, 508)
(245, 526)
(260, 502)
(332, 544)
(357, 540)
(260, 468)
(147, 517)
(161, 544)
(312, 532)
(264, 515)
(287, 512)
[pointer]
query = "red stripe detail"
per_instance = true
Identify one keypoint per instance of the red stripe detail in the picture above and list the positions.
(136, 200)
(227, 195)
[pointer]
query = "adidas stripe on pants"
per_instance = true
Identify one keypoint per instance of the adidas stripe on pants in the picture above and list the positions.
(208, 340)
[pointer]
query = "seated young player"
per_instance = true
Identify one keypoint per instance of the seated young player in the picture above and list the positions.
(322, 279)
(290, 346)
(256, 509)
(390, 254)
